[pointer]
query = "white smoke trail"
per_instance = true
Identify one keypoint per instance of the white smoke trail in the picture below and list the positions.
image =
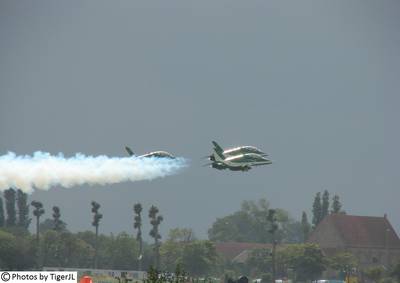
(43, 170)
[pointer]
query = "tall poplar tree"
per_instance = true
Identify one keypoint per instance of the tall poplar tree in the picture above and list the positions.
(96, 221)
(58, 224)
(305, 226)
(9, 196)
(137, 208)
(317, 210)
(325, 204)
(336, 205)
(273, 228)
(155, 221)
(23, 210)
(37, 212)
(2, 218)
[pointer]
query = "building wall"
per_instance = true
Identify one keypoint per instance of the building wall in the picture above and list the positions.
(375, 256)
(330, 241)
(368, 257)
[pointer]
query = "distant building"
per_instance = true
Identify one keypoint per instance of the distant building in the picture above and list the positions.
(238, 252)
(372, 240)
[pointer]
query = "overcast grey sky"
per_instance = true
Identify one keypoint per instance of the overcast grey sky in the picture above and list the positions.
(313, 83)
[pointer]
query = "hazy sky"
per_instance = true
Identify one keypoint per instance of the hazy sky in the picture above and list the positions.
(313, 83)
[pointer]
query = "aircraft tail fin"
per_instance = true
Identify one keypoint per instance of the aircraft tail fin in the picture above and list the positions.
(130, 152)
(217, 147)
(219, 152)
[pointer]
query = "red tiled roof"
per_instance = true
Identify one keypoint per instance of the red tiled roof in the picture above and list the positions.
(364, 231)
(230, 250)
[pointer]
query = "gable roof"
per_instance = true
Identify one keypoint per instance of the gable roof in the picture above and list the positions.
(243, 256)
(230, 250)
(362, 231)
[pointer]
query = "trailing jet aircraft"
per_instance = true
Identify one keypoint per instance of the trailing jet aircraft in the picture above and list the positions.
(239, 162)
(159, 154)
(236, 151)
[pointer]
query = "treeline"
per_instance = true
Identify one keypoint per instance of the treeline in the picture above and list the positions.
(304, 262)
(122, 252)
(53, 245)
(288, 254)
(250, 222)
(16, 208)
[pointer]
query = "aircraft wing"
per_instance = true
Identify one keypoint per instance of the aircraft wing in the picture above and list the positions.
(260, 164)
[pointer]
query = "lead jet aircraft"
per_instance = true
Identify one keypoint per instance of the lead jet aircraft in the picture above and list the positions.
(158, 154)
(239, 162)
(236, 151)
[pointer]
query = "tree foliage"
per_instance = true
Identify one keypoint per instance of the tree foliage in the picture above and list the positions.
(37, 212)
(305, 226)
(16, 252)
(395, 272)
(254, 222)
(171, 250)
(317, 210)
(117, 251)
(306, 260)
(9, 196)
(97, 216)
(344, 263)
(58, 224)
(23, 210)
(325, 204)
(48, 224)
(250, 224)
(122, 251)
(336, 205)
(198, 257)
(2, 217)
(137, 208)
(259, 261)
(8, 251)
(170, 253)
(183, 235)
(155, 221)
(65, 249)
(374, 273)
(137, 224)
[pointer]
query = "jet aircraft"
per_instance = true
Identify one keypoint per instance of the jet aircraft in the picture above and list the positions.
(238, 162)
(159, 154)
(236, 151)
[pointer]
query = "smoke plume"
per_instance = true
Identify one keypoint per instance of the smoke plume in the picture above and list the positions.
(43, 170)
